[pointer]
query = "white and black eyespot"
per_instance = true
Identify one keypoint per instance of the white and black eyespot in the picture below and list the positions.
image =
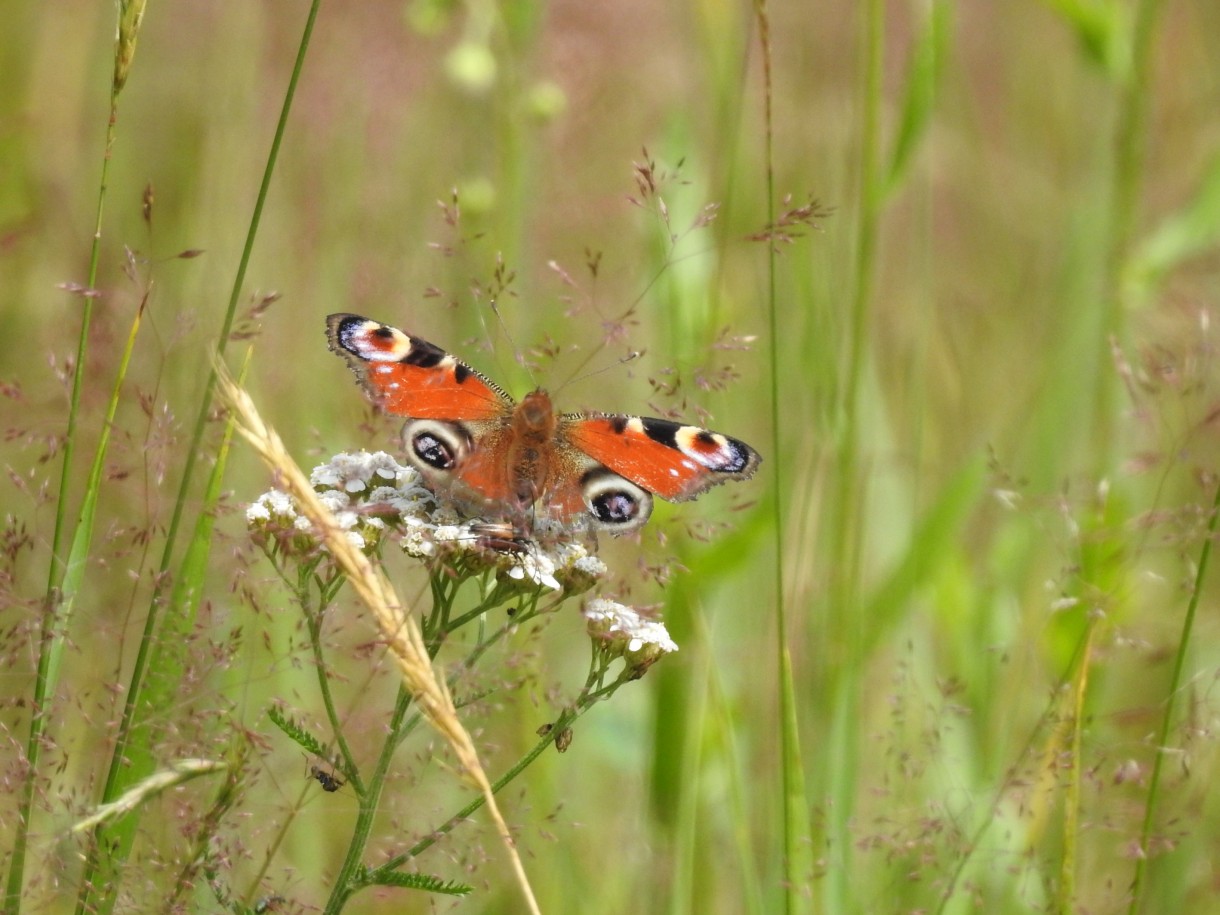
(616, 504)
(435, 447)
(368, 341)
(716, 452)
(433, 451)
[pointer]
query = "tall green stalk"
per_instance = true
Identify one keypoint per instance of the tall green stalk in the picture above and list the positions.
(1130, 138)
(1175, 681)
(849, 491)
(185, 589)
(63, 577)
(794, 807)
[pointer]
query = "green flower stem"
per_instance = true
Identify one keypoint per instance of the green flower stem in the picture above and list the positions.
(567, 718)
(313, 621)
(512, 623)
(349, 879)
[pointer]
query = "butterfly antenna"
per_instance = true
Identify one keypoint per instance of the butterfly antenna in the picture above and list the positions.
(619, 320)
(518, 356)
(574, 379)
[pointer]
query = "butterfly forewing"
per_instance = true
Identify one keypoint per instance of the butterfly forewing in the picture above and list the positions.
(675, 461)
(411, 377)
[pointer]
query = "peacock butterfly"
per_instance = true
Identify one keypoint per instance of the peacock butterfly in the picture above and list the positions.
(496, 458)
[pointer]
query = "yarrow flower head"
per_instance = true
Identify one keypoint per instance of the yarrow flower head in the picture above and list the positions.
(367, 493)
(372, 497)
(558, 564)
(544, 559)
(274, 522)
(621, 631)
(362, 472)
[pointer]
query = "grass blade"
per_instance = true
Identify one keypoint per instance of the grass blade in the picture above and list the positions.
(1191, 231)
(63, 578)
(120, 774)
(797, 863)
(1175, 680)
(167, 663)
(921, 81)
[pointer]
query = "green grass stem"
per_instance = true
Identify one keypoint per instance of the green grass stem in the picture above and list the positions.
(64, 577)
(1152, 801)
(167, 666)
(797, 867)
(121, 772)
(847, 496)
(1130, 141)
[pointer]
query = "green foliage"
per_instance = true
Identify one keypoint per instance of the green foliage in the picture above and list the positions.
(304, 738)
(948, 652)
(418, 882)
(1192, 231)
(1103, 29)
(927, 57)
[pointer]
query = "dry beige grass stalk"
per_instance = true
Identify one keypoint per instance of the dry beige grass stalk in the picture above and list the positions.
(398, 627)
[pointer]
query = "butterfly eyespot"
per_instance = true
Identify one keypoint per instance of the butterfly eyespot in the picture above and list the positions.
(615, 507)
(435, 446)
(616, 504)
(433, 452)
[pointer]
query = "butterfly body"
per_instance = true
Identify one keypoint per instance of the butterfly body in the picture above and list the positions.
(530, 458)
(522, 460)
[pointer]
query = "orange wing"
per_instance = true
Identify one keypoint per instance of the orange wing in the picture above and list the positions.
(672, 460)
(411, 377)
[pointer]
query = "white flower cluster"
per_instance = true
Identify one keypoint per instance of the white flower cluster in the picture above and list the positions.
(624, 631)
(272, 505)
(363, 472)
(542, 560)
(372, 495)
(562, 565)
(366, 493)
(273, 519)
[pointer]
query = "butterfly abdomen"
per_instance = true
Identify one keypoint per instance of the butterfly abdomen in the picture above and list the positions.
(529, 455)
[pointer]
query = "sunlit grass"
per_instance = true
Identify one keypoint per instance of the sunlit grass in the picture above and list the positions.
(993, 449)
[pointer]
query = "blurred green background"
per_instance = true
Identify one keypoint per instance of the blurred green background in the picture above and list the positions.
(996, 428)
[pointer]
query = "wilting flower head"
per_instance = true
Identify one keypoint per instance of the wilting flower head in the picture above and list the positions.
(621, 631)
